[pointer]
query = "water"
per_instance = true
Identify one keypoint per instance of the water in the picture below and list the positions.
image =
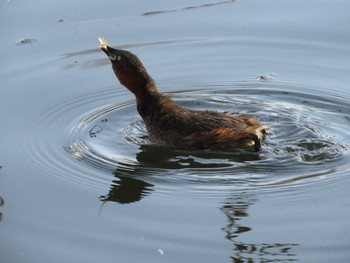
(80, 181)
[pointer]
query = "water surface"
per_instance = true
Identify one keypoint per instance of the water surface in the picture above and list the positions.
(80, 180)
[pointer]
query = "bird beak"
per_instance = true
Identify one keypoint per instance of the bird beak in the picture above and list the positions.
(104, 46)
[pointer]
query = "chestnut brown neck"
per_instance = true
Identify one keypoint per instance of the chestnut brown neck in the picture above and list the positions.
(153, 103)
(139, 82)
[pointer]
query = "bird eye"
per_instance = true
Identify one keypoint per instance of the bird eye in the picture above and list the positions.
(112, 57)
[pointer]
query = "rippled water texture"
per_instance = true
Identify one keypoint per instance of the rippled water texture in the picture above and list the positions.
(306, 137)
(80, 181)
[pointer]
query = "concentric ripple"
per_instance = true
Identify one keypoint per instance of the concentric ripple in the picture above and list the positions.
(307, 137)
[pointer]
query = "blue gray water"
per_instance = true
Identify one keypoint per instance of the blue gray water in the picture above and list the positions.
(81, 182)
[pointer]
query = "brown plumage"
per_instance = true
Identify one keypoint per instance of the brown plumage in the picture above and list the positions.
(172, 125)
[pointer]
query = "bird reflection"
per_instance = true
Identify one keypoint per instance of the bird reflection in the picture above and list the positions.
(164, 157)
(127, 190)
(135, 182)
(235, 208)
(129, 187)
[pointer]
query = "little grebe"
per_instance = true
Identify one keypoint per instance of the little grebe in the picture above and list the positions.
(172, 125)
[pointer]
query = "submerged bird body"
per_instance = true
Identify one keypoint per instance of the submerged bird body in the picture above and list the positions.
(173, 125)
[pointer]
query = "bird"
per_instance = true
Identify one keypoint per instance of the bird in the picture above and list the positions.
(175, 126)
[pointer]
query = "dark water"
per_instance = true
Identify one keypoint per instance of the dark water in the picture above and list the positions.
(81, 182)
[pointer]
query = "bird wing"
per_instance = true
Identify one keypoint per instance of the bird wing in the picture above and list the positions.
(224, 138)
